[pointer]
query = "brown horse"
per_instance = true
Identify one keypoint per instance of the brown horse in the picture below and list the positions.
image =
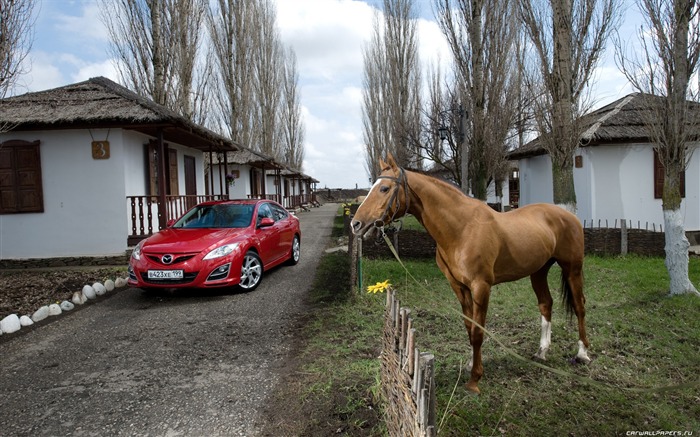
(478, 247)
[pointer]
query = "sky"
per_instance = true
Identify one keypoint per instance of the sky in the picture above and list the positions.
(71, 45)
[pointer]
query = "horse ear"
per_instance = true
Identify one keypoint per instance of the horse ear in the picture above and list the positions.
(391, 161)
(382, 165)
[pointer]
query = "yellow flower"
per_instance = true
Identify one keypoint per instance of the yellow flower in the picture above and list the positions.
(379, 287)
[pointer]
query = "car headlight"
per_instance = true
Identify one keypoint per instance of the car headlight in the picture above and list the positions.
(221, 251)
(136, 254)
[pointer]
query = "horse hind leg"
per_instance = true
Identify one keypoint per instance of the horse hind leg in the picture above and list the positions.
(544, 301)
(572, 289)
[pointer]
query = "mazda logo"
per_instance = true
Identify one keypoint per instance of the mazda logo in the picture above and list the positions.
(167, 259)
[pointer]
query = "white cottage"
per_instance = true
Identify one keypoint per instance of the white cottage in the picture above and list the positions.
(616, 172)
(81, 169)
(254, 175)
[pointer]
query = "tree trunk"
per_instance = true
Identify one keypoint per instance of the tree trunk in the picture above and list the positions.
(677, 244)
(563, 185)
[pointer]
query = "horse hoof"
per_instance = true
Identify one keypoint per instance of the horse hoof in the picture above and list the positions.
(472, 387)
(541, 355)
(582, 359)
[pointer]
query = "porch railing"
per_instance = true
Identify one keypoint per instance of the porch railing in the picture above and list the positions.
(145, 215)
(289, 202)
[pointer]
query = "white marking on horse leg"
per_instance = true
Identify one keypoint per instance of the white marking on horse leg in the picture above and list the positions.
(582, 355)
(545, 339)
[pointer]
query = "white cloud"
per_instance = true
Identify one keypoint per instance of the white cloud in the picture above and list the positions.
(105, 68)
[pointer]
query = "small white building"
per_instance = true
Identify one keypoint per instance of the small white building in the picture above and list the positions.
(616, 172)
(89, 169)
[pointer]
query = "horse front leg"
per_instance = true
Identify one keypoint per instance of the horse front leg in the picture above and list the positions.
(480, 302)
(465, 300)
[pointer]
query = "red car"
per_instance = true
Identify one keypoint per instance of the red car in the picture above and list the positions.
(218, 244)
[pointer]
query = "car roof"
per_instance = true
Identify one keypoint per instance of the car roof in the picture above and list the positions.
(234, 202)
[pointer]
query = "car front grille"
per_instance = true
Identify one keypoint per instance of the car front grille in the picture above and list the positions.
(176, 260)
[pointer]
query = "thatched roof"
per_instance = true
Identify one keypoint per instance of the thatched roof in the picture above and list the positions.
(102, 103)
(622, 121)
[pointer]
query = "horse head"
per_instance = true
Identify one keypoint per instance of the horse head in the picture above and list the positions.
(386, 201)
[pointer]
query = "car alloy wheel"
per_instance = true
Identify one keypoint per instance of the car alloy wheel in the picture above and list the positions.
(251, 271)
(296, 251)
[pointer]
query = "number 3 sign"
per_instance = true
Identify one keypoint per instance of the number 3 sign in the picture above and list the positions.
(100, 150)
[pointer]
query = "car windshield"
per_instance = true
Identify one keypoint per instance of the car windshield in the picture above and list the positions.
(217, 216)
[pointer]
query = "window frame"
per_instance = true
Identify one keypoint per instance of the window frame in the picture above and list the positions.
(15, 147)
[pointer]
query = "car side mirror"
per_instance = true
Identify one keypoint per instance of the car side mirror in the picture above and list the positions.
(170, 223)
(266, 222)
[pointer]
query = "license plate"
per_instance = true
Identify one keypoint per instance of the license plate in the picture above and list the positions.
(165, 274)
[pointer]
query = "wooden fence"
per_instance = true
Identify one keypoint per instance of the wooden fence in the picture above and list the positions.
(619, 237)
(407, 376)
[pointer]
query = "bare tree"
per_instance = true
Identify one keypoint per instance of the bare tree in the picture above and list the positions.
(391, 112)
(374, 115)
(291, 118)
(268, 66)
(482, 36)
(156, 43)
(233, 46)
(670, 57)
(255, 92)
(16, 35)
(191, 74)
(442, 130)
(568, 38)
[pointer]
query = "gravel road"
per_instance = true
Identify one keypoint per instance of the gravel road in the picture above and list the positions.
(165, 364)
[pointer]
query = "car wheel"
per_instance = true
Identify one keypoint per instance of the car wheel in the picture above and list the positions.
(296, 251)
(251, 271)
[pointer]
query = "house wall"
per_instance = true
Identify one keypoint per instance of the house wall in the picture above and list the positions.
(241, 188)
(535, 180)
(83, 199)
(85, 206)
(491, 197)
(614, 183)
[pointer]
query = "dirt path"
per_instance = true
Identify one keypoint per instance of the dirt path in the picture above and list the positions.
(185, 364)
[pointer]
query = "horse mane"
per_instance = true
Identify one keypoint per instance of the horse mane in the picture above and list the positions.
(439, 181)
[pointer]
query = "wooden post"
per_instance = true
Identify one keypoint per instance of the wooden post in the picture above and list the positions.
(623, 237)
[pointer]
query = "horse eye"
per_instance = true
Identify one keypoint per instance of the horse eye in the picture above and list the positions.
(383, 189)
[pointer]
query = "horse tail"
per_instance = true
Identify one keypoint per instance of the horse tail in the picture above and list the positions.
(567, 295)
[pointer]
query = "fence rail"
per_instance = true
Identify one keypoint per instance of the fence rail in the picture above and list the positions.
(407, 376)
(145, 216)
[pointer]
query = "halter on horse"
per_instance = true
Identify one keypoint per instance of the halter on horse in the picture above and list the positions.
(478, 247)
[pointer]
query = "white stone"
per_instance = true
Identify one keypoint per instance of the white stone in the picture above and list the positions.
(78, 298)
(109, 285)
(41, 314)
(89, 292)
(66, 306)
(26, 321)
(54, 309)
(10, 324)
(99, 288)
(120, 282)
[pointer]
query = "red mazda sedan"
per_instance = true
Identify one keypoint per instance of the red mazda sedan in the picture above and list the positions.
(218, 244)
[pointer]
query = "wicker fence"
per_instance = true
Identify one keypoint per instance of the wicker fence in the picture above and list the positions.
(620, 237)
(407, 376)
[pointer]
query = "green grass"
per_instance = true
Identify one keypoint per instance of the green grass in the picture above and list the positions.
(640, 338)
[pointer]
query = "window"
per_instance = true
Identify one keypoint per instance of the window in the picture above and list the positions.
(659, 178)
(278, 213)
(20, 177)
